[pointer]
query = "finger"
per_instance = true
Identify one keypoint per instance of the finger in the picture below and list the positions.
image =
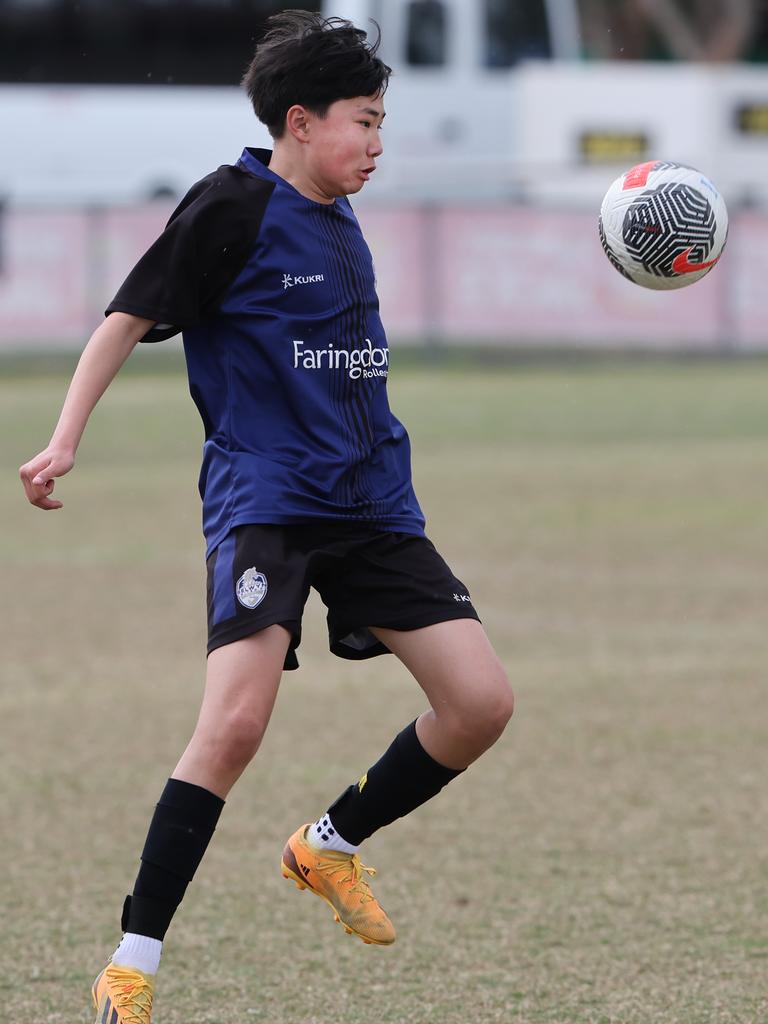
(47, 503)
(43, 498)
(38, 488)
(30, 490)
(47, 473)
(32, 493)
(57, 465)
(38, 477)
(36, 468)
(41, 472)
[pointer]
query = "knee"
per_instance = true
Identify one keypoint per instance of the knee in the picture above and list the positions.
(506, 706)
(498, 709)
(485, 716)
(234, 740)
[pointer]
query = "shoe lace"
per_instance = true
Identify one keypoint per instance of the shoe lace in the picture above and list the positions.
(132, 996)
(355, 872)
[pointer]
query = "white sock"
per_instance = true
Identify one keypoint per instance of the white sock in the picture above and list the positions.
(323, 836)
(140, 952)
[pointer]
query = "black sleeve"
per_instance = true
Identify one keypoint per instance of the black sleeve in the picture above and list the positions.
(205, 245)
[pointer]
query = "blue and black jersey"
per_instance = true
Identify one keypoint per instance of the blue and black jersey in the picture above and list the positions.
(286, 354)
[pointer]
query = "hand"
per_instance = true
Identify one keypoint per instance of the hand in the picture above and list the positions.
(38, 475)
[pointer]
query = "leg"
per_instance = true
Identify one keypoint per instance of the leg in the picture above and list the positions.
(468, 691)
(240, 691)
(241, 686)
(471, 703)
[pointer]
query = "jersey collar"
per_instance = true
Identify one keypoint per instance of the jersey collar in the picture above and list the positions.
(255, 162)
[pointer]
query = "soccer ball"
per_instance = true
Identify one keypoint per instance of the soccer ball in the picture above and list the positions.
(663, 225)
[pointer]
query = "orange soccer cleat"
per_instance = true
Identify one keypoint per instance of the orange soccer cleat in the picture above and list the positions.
(123, 995)
(339, 878)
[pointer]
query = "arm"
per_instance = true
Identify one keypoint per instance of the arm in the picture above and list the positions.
(108, 348)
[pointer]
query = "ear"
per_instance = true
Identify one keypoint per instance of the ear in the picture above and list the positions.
(297, 121)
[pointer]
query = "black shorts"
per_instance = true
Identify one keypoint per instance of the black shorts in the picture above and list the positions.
(260, 575)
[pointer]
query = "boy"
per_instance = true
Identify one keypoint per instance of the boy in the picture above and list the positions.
(305, 483)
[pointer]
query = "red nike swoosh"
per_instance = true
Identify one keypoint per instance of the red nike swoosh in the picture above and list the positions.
(682, 264)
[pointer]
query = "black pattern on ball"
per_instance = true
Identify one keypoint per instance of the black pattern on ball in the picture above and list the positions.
(664, 222)
(609, 251)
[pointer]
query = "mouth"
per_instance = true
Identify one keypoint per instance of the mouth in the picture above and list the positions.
(367, 172)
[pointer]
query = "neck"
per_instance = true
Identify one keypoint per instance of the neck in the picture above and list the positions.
(291, 169)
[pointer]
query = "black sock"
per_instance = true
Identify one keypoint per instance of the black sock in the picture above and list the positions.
(403, 779)
(181, 828)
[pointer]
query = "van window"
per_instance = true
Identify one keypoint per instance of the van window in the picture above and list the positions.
(515, 30)
(426, 33)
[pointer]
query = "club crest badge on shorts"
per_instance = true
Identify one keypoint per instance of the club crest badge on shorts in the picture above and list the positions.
(251, 588)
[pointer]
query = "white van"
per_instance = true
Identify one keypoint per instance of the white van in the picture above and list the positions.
(451, 110)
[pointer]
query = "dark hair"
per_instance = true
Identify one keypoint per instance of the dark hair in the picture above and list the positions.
(307, 59)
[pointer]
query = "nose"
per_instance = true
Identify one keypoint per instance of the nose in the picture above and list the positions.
(376, 146)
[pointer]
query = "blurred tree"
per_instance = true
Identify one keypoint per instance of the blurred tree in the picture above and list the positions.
(695, 30)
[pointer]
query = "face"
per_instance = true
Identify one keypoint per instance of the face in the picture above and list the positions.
(344, 145)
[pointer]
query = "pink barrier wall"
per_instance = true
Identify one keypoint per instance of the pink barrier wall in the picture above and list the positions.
(521, 276)
(507, 275)
(43, 277)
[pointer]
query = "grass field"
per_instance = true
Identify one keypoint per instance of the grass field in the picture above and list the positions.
(605, 863)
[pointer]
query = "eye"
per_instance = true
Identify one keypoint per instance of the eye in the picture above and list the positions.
(366, 124)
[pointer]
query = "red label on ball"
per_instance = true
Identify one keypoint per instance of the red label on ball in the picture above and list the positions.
(637, 176)
(682, 264)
